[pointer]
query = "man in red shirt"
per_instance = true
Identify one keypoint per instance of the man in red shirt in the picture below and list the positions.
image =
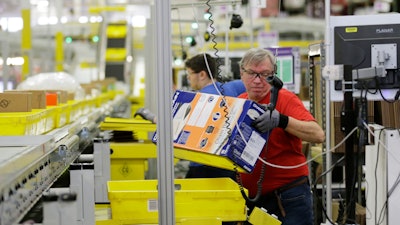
(285, 188)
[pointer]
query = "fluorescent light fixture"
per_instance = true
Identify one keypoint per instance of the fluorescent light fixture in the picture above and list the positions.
(178, 61)
(129, 58)
(53, 20)
(64, 19)
(12, 24)
(16, 61)
(138, 21)
(83, 19)
(95, 19)
(43, 20)
(195, 25)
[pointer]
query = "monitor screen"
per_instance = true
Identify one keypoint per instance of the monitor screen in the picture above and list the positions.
(288, 67)
(284, 67)
(369, 46)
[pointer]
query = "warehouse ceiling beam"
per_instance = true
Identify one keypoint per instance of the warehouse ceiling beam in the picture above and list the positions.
(197, 3)
(189, 21)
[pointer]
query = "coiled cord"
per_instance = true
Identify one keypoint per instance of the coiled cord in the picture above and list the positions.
(213, 40)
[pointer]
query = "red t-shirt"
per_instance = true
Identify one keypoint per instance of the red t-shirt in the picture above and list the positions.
(281, 149)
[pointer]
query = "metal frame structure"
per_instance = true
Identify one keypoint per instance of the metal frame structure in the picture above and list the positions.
(316, 55)
(165, 164)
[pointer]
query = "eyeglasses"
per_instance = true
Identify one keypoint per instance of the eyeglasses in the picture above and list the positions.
(253, 74)
(191, 73)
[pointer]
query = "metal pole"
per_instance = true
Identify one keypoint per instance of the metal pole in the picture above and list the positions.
(5, 44)
(250, 11)
(228, 65)
(165, 165)
(347, 124)
(328, 158)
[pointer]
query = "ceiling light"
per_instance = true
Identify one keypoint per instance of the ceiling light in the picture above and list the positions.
(195, 25)
(138, 21)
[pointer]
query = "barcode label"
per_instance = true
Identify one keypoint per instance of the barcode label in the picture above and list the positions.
(247, 156)
(152, 205)
(253, 148)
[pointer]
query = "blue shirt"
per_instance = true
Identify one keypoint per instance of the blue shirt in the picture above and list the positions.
(231, 88)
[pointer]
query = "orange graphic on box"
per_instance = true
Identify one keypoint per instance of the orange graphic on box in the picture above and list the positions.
(206, 123)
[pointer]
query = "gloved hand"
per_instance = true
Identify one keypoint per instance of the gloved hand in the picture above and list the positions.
(146, 114)
(269, 120)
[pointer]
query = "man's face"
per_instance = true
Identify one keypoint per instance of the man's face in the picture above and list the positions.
(254, 79)
(193, 79)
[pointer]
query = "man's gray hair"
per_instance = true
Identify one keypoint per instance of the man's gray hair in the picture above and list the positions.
(256, 56)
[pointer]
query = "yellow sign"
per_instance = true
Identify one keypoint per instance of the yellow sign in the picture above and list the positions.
(351, 29)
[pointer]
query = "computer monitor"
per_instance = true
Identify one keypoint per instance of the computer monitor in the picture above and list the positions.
(367, 46)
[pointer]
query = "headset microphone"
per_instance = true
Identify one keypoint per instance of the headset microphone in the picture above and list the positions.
(276, 85)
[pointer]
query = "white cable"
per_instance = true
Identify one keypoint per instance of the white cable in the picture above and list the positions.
(239, 131)
(381, 143)
(205, 57)
(310, 160)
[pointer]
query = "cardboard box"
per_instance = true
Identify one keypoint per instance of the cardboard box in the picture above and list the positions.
(360, 212)
(38, 97)
(71, 96)
(15, 102)
(205, 123)
(90, 88)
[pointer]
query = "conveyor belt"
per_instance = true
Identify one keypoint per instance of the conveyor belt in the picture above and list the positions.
(26, 171)
(29, 165)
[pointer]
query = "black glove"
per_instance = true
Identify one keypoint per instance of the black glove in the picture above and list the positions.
(145, 114)
(269, 120)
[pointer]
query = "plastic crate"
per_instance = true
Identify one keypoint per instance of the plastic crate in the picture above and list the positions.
(129, 161)
(47, 120)
(75, 109)
(41, 123)
(136, 201)
(103, 98)
(88, 105)
(143, 129)
(20, 123)
(61, 115)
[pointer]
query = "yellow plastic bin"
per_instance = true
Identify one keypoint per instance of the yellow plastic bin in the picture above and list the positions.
(61, 114)
(89, 104)
(129, 161)
(136, 201)
(20, 123)
(142, 129)
(75, 109)
(47, 120)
